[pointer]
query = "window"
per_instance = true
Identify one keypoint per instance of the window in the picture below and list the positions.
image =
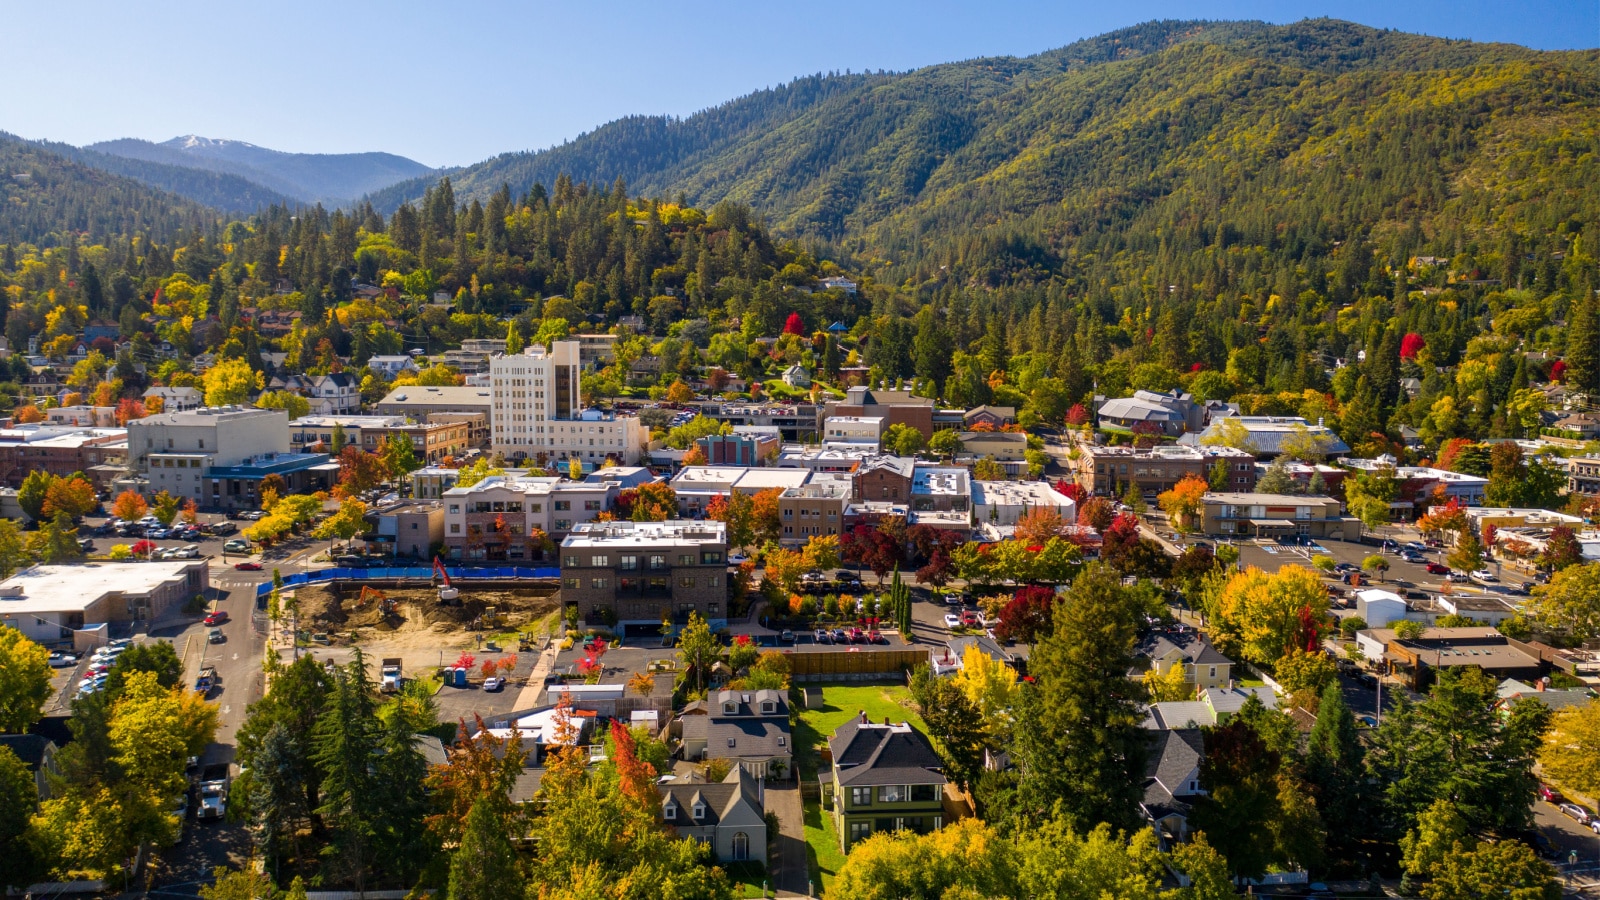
(599, 583)
(629, 563)
(1213, 671)
(569, 583)
(699, 811)
(591, 505)
(669, 812)
(600, 559)
(686, 559)
(768, 708)
(860, 831)
(455, 507)
(710, 557)
(454, 528)
(658, 561)
(892, 793)
(563, 506)
(686, 581)
(569, 561)
(861, 796)
(741, 846)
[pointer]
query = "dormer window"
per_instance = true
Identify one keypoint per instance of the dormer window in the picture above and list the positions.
(768, 707)
(730, 707)
(731, 742)
(699, 811)
(670, 811)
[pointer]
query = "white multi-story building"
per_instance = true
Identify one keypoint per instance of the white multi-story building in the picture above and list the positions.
(502, 516)
(174, 450)
(538, 414)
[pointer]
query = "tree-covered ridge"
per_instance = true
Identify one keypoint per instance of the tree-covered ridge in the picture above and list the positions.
(44, 195)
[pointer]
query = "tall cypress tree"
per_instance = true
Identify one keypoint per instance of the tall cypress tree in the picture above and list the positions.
(1334, 768)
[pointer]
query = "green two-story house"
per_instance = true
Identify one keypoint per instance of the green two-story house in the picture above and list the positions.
(883, 778)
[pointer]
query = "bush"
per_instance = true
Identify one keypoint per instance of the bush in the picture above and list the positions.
(121, 551)
(1349, 625)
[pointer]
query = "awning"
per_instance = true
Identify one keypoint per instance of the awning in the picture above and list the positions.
(1273, 523)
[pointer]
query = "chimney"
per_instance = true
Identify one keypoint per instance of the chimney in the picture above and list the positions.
(863, 714)
(1542, 683)
(886, 722)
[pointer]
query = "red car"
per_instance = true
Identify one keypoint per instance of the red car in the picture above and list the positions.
(1438, 569)
(1550, 794)
(216, 618)
(857, 636)
(247, 566)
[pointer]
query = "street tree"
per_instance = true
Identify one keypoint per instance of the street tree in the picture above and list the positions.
(1570, 603)
(1571, 752)
(24, 680)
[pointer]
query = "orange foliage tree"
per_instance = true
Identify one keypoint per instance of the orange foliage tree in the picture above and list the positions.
(481, 765)
(1182, 503)
(27, 415)
(129, 409)
(1038, 525)
(129, 506)
(73, 496)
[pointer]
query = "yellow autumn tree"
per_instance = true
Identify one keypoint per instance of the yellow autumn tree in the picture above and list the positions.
(991, 685)
(1258, 617)
(1168, 686)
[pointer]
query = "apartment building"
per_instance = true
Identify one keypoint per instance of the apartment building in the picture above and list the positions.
(697, 486)
(795, 421)
(638, 574)
(1108, 471)
(539, 415)
(1583, 475)
(510, 517)
(1276, 515)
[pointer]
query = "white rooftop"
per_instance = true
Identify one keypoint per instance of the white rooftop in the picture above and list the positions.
(1016, 493)
(671, 533)
(946, 480)
(51, 589)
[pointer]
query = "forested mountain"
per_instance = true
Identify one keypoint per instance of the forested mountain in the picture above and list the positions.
(328, 178)
(45, 196)
(218, 190)
(994, 168)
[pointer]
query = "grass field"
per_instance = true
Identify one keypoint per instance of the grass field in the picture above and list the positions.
(839, 704)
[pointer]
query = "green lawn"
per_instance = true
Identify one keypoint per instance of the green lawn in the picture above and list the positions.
(839, 704)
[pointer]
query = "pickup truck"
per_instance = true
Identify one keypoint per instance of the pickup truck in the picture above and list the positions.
(206, 681)
(389, 675)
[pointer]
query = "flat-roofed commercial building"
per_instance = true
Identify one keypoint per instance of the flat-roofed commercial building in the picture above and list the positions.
(639, 574)
(814, 508)
(48, 603)
(59, 451)
(1276, 515)
(430, 441)
(1004, 502)
(1108, 471)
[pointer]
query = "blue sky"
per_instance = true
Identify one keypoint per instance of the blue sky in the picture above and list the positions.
(452, 83)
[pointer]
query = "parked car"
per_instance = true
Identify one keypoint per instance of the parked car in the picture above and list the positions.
(840, 637)
(1545, 846)
(1438, 569)
(877, 637)
(1575, 812)
(857, 636)
(493, 683)
(192, 551)
(822, 636)
(1484, 575)
(216, 617)
(736, 559)
(1346, 567)
(248, 566)
(970, 619)
(1457, 577)
(1415, 558)
(237, 545)
(86, 545)
(60, 660)
(216, 636)
(1416, 546)
(952, 621)
(1550, 795)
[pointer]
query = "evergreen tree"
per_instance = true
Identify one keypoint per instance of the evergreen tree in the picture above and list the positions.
(1583, 346)
(1078, 740)
(484, 866)
(1334, 769)
(346, 741)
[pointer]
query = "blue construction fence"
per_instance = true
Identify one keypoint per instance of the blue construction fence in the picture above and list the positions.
(420, 573)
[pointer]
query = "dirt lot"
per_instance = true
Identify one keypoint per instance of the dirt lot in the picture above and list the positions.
(414, 617)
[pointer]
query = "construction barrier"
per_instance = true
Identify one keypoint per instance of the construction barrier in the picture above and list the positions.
(854, 664)
(417, 573)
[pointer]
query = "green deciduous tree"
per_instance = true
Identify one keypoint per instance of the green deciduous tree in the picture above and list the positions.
(24, 680)
(1570, 603)
(19, 800)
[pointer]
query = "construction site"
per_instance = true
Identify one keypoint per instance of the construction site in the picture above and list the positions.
(400, 618)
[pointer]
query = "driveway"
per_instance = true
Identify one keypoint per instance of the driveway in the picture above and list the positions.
(788, 865)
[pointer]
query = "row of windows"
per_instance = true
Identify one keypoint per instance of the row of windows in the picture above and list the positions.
(629, 562)
(895, 793)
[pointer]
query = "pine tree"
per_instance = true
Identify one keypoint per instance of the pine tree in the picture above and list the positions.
(1583, 347)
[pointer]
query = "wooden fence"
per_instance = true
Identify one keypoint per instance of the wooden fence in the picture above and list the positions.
(854, 664)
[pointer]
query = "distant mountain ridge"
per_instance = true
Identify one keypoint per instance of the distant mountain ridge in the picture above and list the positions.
(328, 178)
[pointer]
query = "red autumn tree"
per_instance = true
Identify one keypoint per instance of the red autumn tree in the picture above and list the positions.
(1120, 537)
(129, 409)
(1071, 490)
(592, 664)
(1028, 616)
(1558, 370)
(1097, 513)
(794, 325)
(635, 777)
(359, 471)
(867, 545)
(1411, 345)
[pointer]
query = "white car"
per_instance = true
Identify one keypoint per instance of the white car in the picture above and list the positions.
(1484, 575)
(493, 683)
(952, 621)
(737, 559)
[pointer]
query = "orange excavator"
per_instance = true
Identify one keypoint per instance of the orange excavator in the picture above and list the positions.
(447, 593)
